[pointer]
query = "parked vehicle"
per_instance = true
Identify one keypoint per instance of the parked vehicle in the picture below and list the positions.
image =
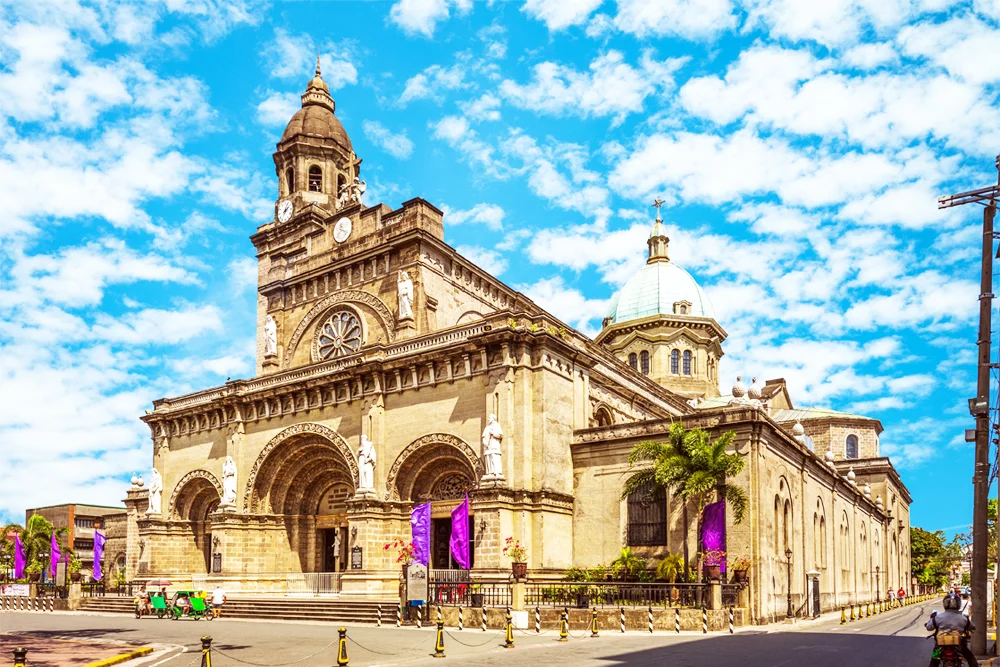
(189, 604)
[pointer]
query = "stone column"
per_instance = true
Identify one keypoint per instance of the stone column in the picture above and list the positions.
(136, 501)
(373, 523)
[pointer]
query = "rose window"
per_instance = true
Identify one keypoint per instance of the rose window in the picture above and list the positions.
(339, 336)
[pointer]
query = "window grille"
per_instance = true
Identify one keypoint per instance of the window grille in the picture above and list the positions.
(687, 362)
(315, 179)
(852, 447)
(675, 359)
(644, 358)
(647, 518)
(633, 361)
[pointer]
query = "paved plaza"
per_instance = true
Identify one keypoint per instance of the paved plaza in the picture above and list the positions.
(893, 639)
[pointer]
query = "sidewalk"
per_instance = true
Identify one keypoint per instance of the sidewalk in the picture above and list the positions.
(45, 650)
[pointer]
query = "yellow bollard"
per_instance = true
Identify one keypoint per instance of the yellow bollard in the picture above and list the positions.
(564, 626)
(593, 623)
(439, 641)
(852, 611)
(20, 657)
(342, 658)
(508, 640)
(843, 616)
(206, 651)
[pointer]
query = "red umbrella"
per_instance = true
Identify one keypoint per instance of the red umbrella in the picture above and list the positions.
(158, 582)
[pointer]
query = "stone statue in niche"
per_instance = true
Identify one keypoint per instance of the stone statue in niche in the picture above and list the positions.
(404, 289)
(366, 467)
(229, 482)
(155, 491)
(270, 337)
(492, 438)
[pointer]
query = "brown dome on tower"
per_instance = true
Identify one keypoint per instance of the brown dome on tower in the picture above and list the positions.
(316, 118)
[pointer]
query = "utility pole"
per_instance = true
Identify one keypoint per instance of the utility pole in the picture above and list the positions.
(979, 406)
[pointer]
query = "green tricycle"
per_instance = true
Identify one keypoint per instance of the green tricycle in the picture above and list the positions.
(189, 604)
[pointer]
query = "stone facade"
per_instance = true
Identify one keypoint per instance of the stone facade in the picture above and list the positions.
(382, 330)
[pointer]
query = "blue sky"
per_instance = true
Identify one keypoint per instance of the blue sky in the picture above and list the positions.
(800, 147)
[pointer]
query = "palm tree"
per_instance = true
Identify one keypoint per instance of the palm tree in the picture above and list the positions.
(628, 564)
(670, 567)
(7, 546)
(37, 539)
(692, 466)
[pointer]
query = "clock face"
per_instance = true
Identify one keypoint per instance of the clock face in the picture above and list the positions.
(284, 211)
(342, 230)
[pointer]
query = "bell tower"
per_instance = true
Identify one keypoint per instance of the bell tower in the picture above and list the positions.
(315, 161)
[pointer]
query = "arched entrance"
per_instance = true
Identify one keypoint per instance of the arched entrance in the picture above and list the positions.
(305, 475)
(440, 469)
(196, 496)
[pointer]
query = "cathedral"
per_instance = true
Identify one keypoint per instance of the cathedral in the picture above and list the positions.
(393, 371)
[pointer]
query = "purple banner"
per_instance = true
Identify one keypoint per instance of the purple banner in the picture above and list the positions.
(420, 525)
(98, 555)
(54, 554)
(713, 529)
(460, 534)
(19, 560)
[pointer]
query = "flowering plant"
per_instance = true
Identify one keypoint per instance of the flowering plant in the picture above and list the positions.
(406, 550)
(741, 563)
(515, 551)
(714, 557)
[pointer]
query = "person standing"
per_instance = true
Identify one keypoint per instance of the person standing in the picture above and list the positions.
(218, 599)
(901, 594)
(892, 598)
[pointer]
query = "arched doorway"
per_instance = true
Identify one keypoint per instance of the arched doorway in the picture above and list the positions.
(305, 475)
(440, 469)
(196, 496)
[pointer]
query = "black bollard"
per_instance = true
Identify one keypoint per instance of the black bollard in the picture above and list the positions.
(508, 640)
(20, 657)
(564, 626)
(594, 632)
(439, 641)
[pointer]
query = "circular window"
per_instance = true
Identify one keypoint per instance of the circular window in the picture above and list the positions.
(339, 336)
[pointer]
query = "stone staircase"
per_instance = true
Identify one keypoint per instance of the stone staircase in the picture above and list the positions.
(274, 608)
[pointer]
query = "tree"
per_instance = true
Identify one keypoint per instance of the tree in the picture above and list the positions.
(7, 546)
(931, 559)
(628, 565)
(691, 465)
(36, 536)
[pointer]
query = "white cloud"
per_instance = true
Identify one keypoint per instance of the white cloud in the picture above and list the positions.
(567, 303)
(486, 107)
(560, 14)
(153, 326)
(395, 143)
(965, 46)
(870, 56)
(276, 109)
(488, 260)
(431, 81)
(422, 16)
(489, 215)
(291, 56)
(690, 19)
(829, 23)
(611, 87)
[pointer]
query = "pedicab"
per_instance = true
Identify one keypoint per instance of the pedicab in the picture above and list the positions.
(192, 603)
(157, 605)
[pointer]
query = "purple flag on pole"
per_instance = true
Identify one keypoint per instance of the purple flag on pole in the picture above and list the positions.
(420, 525)
(460, 534)
(713, 529)
(19, 560)
(98, 555)
(54, 554)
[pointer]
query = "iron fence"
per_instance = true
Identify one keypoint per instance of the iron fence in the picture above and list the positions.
(612, 594)
(468, 594)
(313, 583)
(731, 595)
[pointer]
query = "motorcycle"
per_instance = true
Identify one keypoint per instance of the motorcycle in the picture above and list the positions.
(947, 648)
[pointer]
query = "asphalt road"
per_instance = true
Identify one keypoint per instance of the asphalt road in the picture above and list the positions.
(894, 639)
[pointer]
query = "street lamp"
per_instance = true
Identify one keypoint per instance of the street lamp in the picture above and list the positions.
(788, 555)
(878, 586)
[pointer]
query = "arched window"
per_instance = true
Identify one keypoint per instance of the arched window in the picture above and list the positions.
(290, 180)
(644, 361)
(675, 360)
(341, 182)
(603, 417)
(647, 517)
(315, 179)
(851, 449)
(687, 362)
(633, 361)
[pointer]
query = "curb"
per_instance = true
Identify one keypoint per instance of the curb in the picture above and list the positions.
(124, 657)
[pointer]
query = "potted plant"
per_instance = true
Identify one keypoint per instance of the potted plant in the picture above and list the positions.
(740, 566)
(405, 556)
(628, 565)
(74, 567)
(518, 556)
(34, 571)
(476, 592)
(713, 559)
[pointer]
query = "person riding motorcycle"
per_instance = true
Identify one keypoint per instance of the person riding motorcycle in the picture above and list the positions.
(953, 619)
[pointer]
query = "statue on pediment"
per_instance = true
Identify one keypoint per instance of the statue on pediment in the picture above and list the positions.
(270, 337)
(404, 289)
(155, 491)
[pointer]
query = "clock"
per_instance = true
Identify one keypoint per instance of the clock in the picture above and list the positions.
(285, 210)
(342, 230)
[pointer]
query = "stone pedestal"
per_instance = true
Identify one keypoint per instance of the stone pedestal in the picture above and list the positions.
(270, 363)
(715, 594)
(517, 596)
(373, 523)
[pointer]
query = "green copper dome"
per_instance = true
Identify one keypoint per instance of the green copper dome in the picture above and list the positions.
(654, 290)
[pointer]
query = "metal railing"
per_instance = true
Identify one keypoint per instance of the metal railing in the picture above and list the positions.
(731, 594)
(467, 594)
(450, 575)
(313, 583)
(612, 594)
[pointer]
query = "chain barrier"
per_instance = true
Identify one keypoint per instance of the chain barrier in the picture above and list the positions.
(452, 636)
(370, 650)
(271, 664)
